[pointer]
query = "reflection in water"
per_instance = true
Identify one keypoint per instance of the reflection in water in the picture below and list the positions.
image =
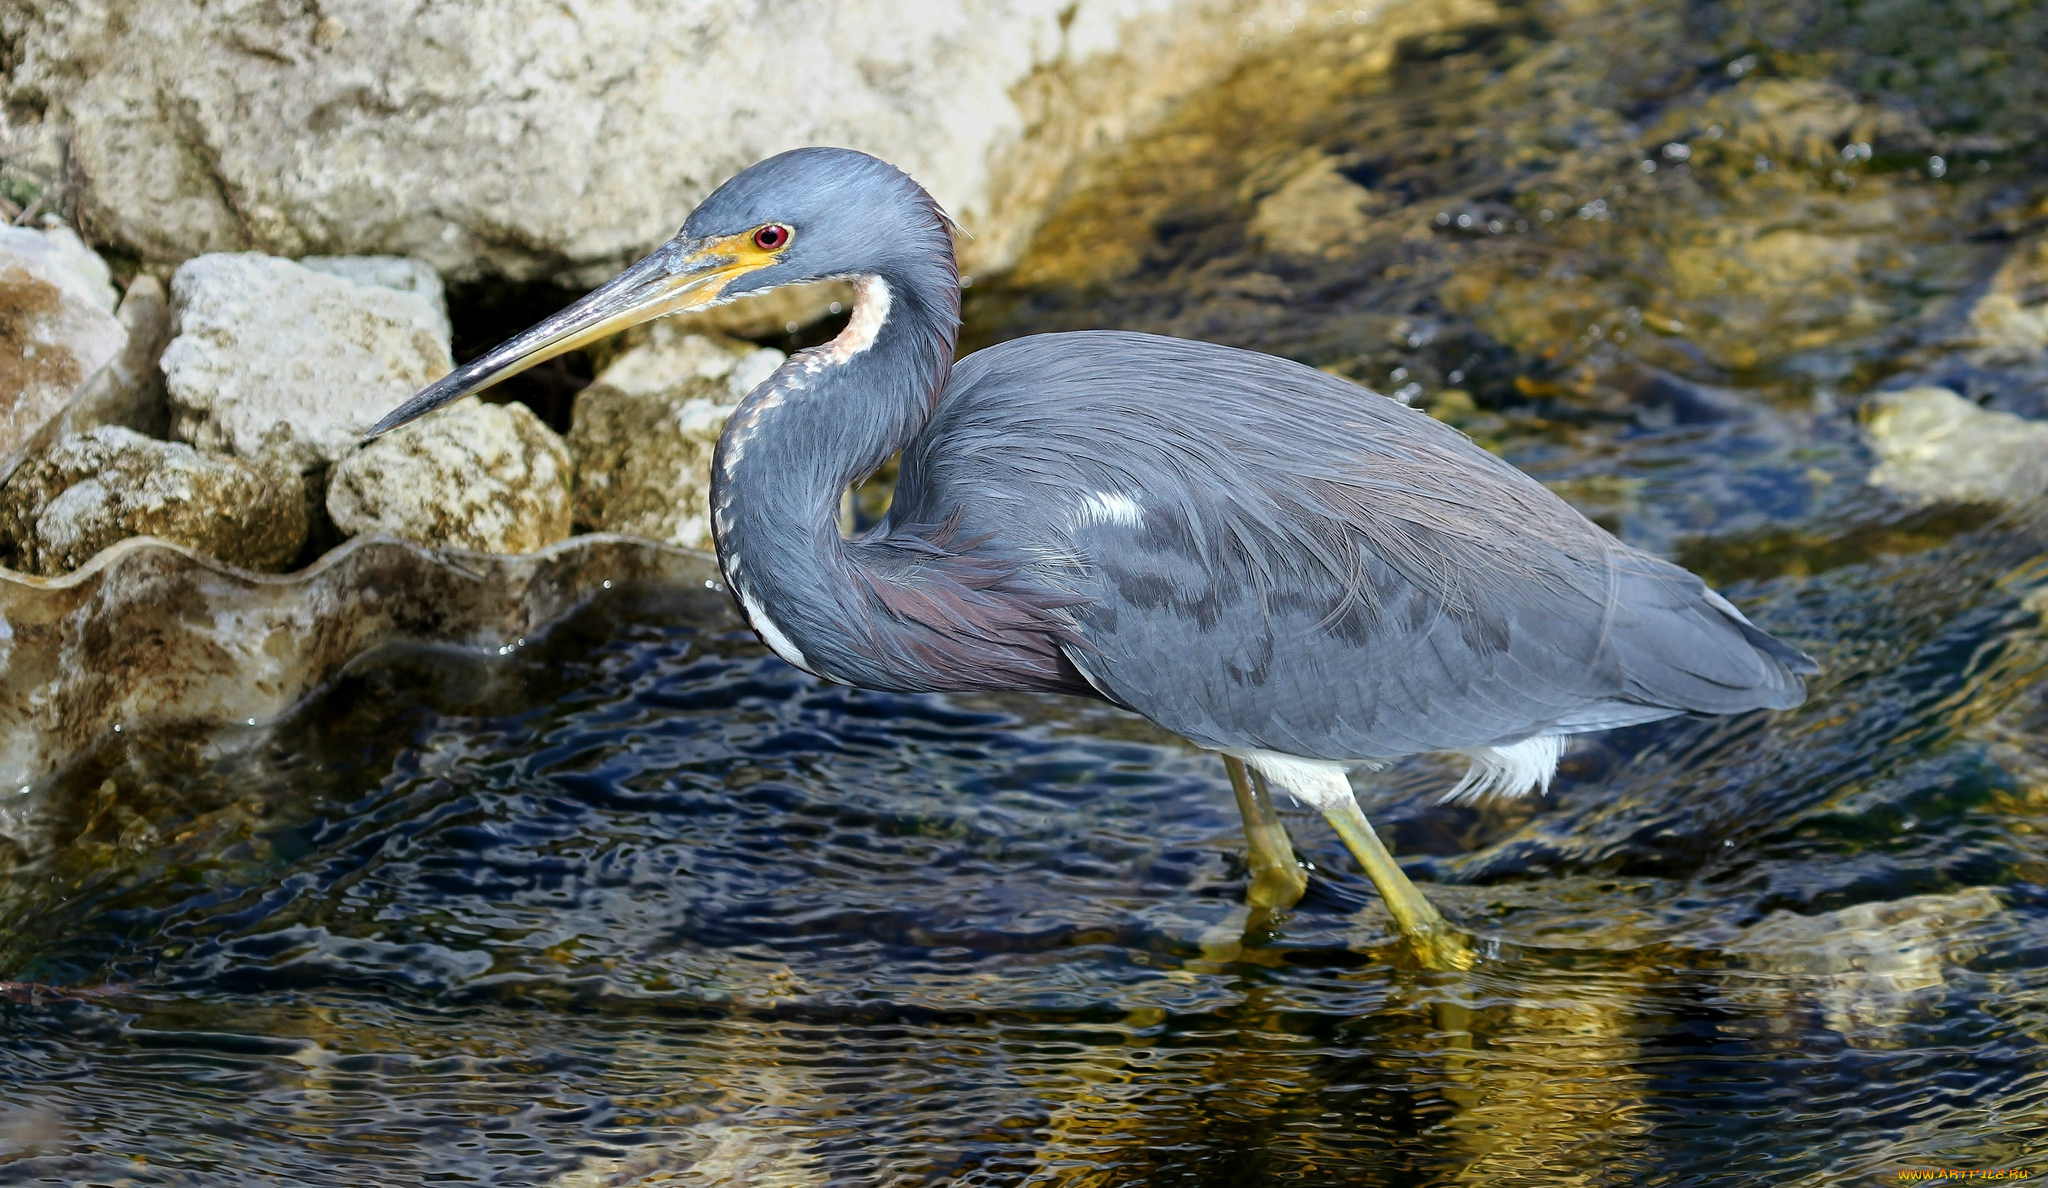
(639, 904)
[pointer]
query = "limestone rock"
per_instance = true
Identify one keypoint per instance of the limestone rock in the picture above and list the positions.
(1932, 444)
(283, 365)
(520, 136)
(644, 432)
(57, 329)
(486, 477)
(62, 508)
(407, 274)
(129, 390)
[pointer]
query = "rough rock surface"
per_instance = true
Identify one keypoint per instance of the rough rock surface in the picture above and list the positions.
(520, 135)
(129, 390)
(57, 329)
(643, 433)
(407, 274)
(282, 365)
(62, 508)
(486, 477)
(1932, 444)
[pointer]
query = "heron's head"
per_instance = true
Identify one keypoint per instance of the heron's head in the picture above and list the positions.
(805, 215)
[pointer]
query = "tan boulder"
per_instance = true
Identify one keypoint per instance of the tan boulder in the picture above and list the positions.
(643, 434)
(89, 491)
(57, 330)
(490, 478)
(285, 366)
(1932, 444)
(521, 137)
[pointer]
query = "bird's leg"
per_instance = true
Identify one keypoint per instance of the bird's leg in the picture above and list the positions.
(1277, 881)
(1436, 944)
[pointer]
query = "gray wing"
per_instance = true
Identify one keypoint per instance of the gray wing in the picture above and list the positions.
(1255, 554)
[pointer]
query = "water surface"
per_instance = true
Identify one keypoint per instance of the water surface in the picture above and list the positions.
(638, 903)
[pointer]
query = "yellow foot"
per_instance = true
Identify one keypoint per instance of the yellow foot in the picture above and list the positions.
(1277, 879)
(1435, 943)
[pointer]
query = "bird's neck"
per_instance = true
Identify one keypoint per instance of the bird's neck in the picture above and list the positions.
(826, 420)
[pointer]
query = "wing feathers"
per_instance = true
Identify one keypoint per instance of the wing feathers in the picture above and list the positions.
(1310, 568)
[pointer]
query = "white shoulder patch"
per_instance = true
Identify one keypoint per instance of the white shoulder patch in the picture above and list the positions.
(871, 299)
(1111, 507)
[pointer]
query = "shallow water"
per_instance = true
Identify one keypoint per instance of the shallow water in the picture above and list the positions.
(638, 903)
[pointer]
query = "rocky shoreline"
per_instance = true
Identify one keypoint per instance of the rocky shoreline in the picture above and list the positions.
(280, 292)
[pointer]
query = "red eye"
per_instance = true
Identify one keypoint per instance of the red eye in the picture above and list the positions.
(772, 237)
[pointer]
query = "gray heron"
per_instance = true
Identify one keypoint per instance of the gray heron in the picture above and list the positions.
(1270, 561)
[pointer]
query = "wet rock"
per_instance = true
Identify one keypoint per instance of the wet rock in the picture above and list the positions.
(1316, 212)
(285, 366)
(1932, 444)
(2011, 318)
(486, 477)
(57, 329)
(1801, 121)
(152, 632)
(60, 509)
(643, 434)
(1870, 967)
(512, 136)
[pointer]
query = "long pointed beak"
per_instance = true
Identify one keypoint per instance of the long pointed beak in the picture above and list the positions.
(679, 276)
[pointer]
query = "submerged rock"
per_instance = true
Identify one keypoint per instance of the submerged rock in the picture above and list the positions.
(60, 509)
(1932, 444)
(2011, 318)
(487, 477)
(285, 366)
(643, 434)
(57, 329)
(1318, 211)
(1870, 967)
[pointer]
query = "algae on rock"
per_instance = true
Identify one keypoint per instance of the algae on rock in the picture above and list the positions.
(485, 477)
(644, 433)
(60, 509)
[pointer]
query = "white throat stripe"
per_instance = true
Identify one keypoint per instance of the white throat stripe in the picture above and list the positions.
(870, 311)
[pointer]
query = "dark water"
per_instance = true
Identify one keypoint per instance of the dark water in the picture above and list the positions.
(639, 904)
